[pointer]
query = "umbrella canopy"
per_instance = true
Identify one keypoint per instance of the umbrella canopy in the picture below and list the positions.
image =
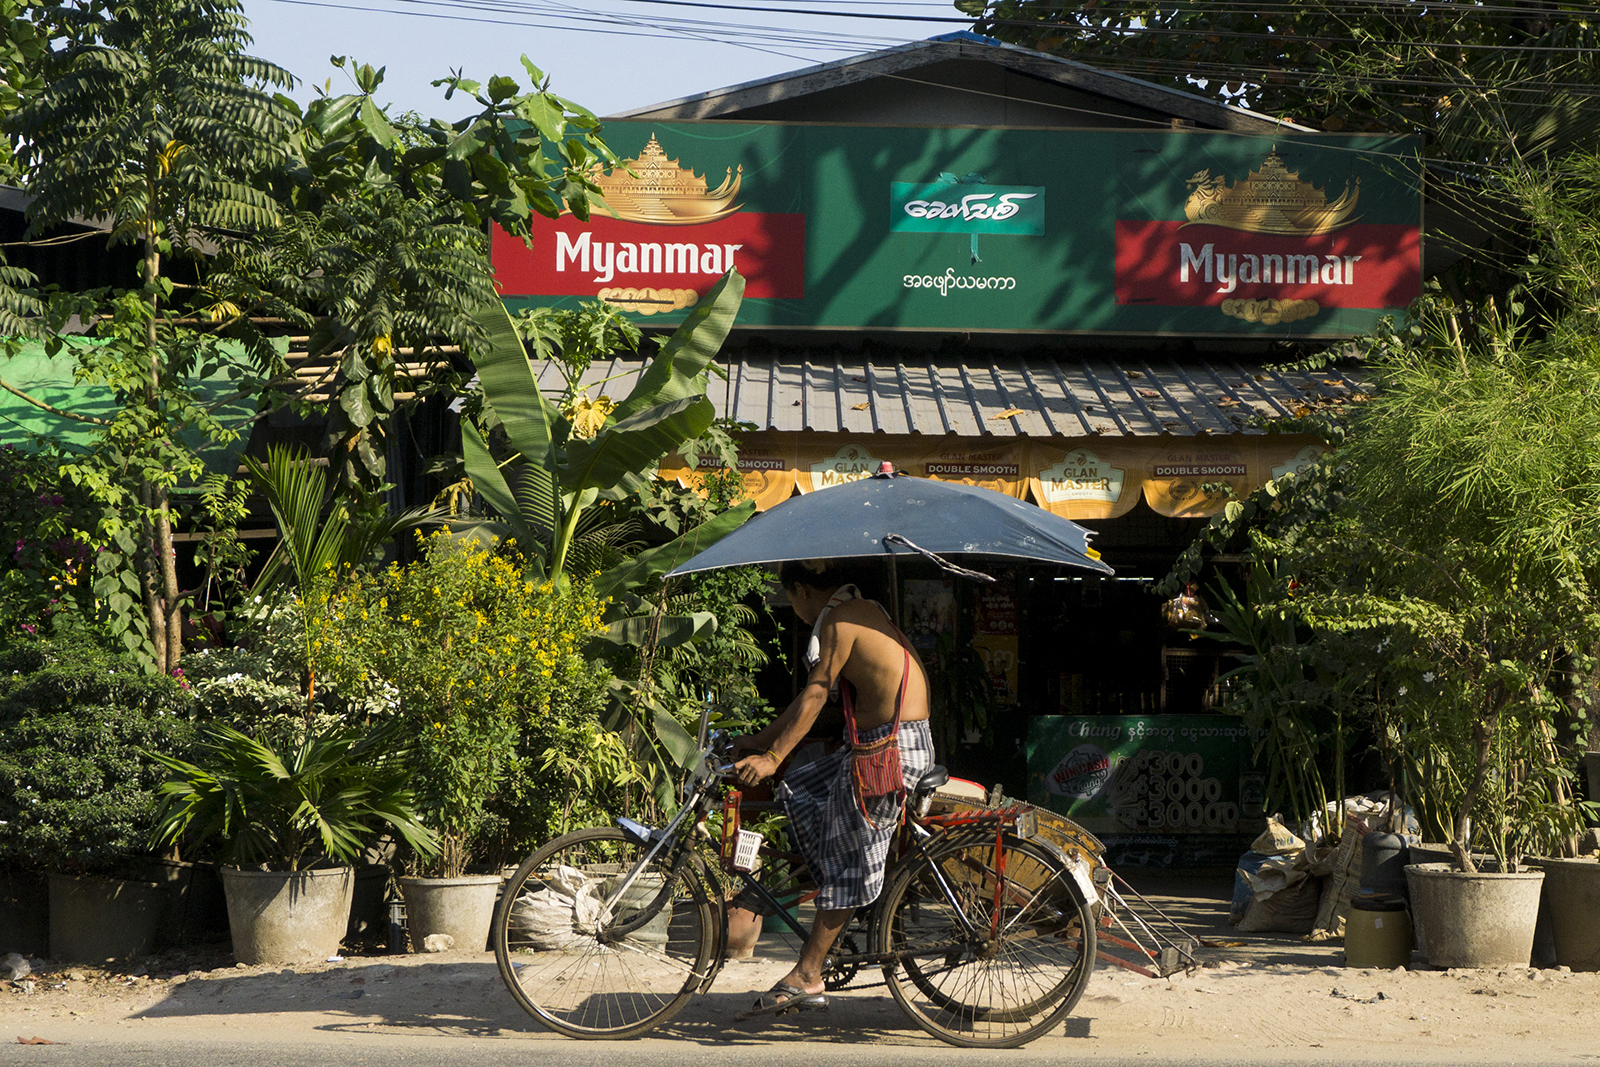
(853, 520)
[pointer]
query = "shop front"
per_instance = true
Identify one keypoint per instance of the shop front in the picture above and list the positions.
(1089, 320)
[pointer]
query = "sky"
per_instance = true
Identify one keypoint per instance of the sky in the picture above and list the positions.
(607, 55)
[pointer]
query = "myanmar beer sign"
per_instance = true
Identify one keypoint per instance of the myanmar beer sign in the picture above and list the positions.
(849, 227)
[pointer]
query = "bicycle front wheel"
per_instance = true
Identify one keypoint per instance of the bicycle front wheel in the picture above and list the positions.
(991, 954)
(591, 959)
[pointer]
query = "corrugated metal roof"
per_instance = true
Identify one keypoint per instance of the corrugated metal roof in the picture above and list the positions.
(1127, 397)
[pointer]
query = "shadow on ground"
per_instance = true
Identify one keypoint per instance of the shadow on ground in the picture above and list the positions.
(462, 996)
(1199, 901)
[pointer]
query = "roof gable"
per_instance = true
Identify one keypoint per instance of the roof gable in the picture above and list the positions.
(960, 79)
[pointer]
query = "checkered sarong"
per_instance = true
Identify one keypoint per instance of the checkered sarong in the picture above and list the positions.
(845, 852)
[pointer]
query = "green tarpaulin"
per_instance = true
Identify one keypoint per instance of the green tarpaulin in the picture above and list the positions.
(51, 380)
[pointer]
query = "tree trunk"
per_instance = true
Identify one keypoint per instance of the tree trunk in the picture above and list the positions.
(168, 614)
(150, 582)
(1482, 744)
(169, 582)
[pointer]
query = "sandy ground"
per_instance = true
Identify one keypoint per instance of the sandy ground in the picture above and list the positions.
(1262, 997)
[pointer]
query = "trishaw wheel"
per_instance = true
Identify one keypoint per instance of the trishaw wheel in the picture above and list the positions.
(586, 976)
(1022, 968)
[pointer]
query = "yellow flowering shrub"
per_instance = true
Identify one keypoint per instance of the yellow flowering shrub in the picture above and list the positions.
(474, 654)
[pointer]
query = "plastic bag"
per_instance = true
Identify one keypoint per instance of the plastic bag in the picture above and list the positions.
(560, 917)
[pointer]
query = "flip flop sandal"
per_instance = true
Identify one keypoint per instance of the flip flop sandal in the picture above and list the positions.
(784, 998)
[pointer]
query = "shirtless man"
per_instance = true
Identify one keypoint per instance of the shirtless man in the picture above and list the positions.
(853, 643)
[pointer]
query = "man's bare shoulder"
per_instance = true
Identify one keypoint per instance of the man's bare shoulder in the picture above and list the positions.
(859, 612)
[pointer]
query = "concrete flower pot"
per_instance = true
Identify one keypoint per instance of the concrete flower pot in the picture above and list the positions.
(459, 907)
(1474, 920)
(284, 917)
(93, 920)
(1572, 902)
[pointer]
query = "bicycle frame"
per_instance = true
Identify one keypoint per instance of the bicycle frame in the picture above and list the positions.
(918, 832)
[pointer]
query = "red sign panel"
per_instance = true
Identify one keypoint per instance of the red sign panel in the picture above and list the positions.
(1176, 264)
(573, 258)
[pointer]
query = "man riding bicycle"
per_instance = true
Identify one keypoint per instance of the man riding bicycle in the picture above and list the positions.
(844, 808)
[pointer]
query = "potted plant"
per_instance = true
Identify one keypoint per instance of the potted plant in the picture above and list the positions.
(281, 812)
(471, 648)
(77, 793)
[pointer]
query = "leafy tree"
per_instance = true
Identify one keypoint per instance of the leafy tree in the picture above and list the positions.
(569, 460)
(151, 117)
(382, 250)
(1439, 572)
(1484, 81)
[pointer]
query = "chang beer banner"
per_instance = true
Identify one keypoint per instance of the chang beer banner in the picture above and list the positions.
(1142, 773)
(1064, 231)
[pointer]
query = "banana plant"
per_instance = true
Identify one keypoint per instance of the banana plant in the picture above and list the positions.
(554, 478)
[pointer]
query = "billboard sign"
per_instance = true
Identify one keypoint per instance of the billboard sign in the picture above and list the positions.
(1056, 231)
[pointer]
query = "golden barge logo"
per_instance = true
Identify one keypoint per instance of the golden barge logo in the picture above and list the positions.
(655, 189)
(1271, 200)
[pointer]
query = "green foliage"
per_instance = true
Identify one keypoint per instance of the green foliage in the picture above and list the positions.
(151, 116)
(568, 771)
(46, 528)
(1445, 558)
(322, 541)
(77, 788)
(560, 474)
(383, 250)
(325, 794)
(719, 668)
(476, 654)
(23, 45)
(1486, 83)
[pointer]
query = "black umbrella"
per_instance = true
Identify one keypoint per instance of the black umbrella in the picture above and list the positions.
(896, 514)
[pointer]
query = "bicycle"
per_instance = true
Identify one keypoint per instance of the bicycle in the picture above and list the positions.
(985, 929)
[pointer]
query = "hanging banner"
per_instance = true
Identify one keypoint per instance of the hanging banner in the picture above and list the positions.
(1060, 231)
(1277, 463)
(824, 461)
(1097, 479)
(1176, 472)
(766, 465)
(1000, 466)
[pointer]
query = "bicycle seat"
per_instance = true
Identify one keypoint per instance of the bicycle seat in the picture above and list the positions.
(931, 779)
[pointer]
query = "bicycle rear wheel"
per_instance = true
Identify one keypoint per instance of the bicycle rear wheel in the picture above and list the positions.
(588, 976)
(1021, 968)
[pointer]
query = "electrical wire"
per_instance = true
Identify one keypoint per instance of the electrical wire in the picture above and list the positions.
(773, 40)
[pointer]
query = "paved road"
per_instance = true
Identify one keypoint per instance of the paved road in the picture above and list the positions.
(815, 1048)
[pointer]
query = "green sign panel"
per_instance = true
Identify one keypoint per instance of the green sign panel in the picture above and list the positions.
(848, 227)
(1145, 773)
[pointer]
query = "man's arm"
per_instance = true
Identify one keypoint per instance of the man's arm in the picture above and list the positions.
(785, 733)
